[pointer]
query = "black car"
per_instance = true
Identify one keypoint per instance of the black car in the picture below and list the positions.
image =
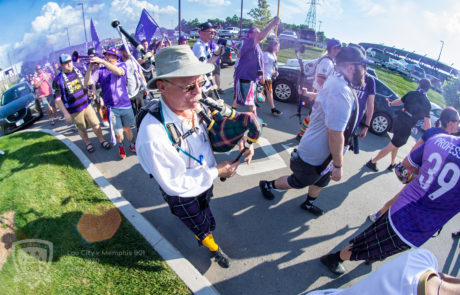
(229, 56)
(285, 90)
(18, 108)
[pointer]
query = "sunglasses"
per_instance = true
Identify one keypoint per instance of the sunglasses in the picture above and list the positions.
(188, 88)
(211, 32)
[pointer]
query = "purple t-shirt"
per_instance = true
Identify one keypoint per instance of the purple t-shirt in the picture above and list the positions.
(113, 87)
(363, 93)
(251, 61)
(432, 198)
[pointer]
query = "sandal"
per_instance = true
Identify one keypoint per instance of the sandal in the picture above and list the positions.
(89, 148)
(105, 145)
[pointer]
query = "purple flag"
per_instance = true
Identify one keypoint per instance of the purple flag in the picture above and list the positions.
(146, 27)
(94, 35)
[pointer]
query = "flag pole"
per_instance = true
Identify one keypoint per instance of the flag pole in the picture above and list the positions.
(278, 15)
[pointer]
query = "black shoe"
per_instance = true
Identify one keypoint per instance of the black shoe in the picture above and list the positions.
(456, 235)
(298, 137)
(221, 258)
(264, 124)
(220, 91)
(311, 208)
(332, 264)
(276, 112)
(372, 166)
(391, 167)
(266, 191)
(256, 104)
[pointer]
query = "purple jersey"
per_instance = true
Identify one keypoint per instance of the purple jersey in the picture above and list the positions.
(432, 198)
(363, 93)
(251, 62)
(113, 87)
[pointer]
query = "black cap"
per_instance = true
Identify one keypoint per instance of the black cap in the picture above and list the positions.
(424, 84)
(351, 54)
(92, 51)
(205, 26)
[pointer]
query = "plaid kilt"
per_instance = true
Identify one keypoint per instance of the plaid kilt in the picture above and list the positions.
(193, 212)
(377, 242)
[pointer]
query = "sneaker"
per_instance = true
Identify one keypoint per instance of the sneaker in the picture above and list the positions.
(375, 216)
(221, 258)
(312, 208)
(456, 235)
(121, 148)
(298, 137)
(372, 166)
(266, 190)
(220, 91)
(332, 264)
(132, 148)
(264, 124)
(276, 112)
(105, 124)
(256, 104)
(391, 167)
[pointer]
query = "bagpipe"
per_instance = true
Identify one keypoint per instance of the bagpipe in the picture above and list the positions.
(125, 35)
(226, 126)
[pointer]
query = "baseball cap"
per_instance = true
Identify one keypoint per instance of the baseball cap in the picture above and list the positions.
(63, 58)
(113, 51)
(183, 38)
(91, 51)
(351, 54)
(205, 26)
(333, 43)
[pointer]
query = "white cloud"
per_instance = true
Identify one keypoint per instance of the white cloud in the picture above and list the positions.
(54, 17)
(129, 11)
(369, 8)
(211, 3)
(95, 8)
(4, 62)
(447, 20)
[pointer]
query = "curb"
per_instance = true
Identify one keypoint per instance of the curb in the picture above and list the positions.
(194, 280)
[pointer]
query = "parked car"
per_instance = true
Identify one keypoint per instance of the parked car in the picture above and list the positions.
(398, 65)
(229, 56)
(435, 114)
(194, 34)
(414, 71)
(235, 31)
(285, 90)
(18, 108)
(225, 34)
(288, 35)
(436, 83)
(308, 34)
(377, 55)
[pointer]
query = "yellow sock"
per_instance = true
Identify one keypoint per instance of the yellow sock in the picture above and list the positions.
(210, 243)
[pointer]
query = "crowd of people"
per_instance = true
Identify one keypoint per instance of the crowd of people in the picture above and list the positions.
(172, 142)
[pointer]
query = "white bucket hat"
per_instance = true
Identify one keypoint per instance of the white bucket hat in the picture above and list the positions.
(177, 62)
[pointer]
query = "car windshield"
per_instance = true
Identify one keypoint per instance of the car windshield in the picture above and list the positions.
(436, 112)
(381, 89)
(14, 93)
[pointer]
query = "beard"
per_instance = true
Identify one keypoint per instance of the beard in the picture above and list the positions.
(358, 78)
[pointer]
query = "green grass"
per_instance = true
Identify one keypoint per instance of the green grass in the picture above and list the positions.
(401, 85)
(310, 53)
(49, 190)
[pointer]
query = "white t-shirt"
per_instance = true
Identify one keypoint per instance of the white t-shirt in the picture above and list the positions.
(202, 50)
(176, 173)
(269, 64)
(324, 69)
(399, 276)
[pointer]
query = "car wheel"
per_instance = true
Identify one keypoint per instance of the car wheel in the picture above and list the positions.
(284, 91)
(380, 124)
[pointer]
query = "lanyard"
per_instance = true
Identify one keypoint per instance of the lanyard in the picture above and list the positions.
(200, 158)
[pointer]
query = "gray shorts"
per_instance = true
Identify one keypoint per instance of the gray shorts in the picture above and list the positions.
(45, 101)
(121, 117)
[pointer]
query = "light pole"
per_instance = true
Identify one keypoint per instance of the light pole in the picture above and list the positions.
(84, 25)
(180, 27)
(440, 51)
(241, 19)
(68, 38)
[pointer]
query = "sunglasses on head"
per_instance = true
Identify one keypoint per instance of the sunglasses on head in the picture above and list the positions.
(188, 88)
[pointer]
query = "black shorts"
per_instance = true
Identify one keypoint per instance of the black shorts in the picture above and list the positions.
(401, 133)
(304, 174)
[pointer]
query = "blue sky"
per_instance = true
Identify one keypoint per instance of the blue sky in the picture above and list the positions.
(31, 28)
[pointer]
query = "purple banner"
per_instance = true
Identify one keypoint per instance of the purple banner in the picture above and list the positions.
(94, 36)
(146, 27)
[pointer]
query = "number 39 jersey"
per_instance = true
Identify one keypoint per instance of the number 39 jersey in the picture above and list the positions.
(433, 198)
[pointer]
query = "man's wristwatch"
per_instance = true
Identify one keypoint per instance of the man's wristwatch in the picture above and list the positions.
(365, 125)
(337, 166)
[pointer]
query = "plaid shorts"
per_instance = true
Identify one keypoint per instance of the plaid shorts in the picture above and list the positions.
(193, 212)
(377, 242)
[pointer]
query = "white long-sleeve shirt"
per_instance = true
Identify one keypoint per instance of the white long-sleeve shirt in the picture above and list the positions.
(176, 173)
